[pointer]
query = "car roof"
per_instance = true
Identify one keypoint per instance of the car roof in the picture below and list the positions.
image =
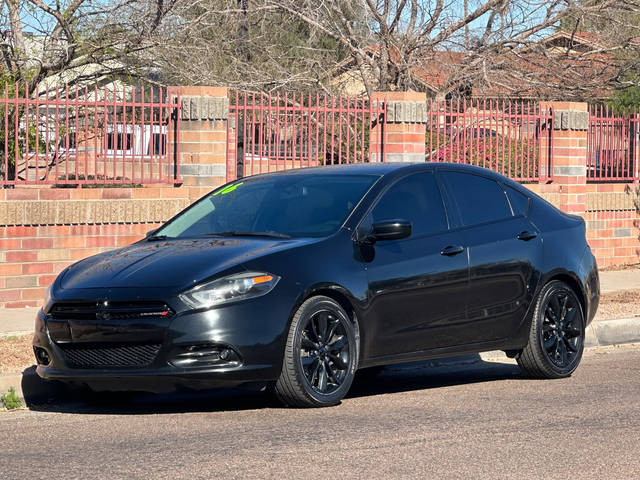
(386, 168)
(361, 168)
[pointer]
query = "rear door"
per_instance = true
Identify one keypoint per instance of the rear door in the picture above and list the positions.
(503, 248)
(415, 290)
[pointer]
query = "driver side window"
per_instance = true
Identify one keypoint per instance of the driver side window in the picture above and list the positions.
(415, 198)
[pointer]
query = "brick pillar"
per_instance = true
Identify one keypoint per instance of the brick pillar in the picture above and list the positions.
(404, 131)
(202, 139)
(569, 154)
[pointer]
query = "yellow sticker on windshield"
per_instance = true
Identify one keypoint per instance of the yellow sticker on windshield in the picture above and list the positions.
(228, 189)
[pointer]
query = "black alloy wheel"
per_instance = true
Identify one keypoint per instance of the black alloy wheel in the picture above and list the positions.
(324, 352)
(556, 339)
(560, 337)
(320, 356)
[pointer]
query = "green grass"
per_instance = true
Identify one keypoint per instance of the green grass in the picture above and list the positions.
(10, 400)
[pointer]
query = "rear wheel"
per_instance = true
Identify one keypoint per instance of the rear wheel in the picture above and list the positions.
(321, 355)
(556, 337)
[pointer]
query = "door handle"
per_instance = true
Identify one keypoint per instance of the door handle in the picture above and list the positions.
(527, 235)
(451, 250)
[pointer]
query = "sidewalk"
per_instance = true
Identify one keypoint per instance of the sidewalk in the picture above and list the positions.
(21, 320)
(616, 281)
(16, 321)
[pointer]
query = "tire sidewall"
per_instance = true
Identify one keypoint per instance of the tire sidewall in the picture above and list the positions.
(307, 310)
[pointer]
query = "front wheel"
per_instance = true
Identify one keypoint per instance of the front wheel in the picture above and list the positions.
(556, 337)
(321, 355)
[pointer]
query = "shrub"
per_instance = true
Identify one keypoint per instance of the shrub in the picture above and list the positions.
(10, 400)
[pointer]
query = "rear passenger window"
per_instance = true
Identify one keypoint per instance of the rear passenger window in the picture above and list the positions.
(479, 199)
(415, 198)
(519, 202)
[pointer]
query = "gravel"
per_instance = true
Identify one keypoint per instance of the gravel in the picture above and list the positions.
(625, 304)
(613, 268)
(16, 353)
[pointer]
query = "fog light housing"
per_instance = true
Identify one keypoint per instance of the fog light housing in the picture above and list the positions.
(205, 354)
(42, 356)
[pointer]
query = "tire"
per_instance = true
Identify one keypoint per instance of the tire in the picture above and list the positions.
(321, 355)
(556, 336)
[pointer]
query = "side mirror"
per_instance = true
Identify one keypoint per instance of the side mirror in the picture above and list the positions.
(150, 233)
(389, 230)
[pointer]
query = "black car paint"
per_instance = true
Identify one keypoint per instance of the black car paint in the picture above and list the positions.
(411, 301)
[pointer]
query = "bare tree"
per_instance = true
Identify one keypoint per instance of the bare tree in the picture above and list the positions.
(614, 26)
(42, 38)
(404, 34)
(492, 45)
(247, 44)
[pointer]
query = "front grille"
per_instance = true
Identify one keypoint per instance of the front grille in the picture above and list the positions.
(112, 356)
(104, 310)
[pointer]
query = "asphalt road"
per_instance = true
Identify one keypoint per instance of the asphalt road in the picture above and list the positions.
(466, 421)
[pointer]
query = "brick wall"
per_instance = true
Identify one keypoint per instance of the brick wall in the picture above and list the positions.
(613, 223)
(32, 256)
(43, 230)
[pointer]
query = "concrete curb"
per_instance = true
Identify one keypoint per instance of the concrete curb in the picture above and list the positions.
(611, 332)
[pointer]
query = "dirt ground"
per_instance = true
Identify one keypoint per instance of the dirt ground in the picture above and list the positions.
(612, 268)
(623, 304)
(16, 353)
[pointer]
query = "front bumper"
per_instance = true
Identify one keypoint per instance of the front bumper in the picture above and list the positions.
(161, 380)
(254, 330)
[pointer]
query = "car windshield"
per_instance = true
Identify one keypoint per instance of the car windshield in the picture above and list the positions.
(300, 205)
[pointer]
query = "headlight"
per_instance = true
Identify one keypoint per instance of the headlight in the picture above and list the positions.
(240, 286)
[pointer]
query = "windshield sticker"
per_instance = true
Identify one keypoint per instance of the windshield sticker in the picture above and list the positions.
(228, 189)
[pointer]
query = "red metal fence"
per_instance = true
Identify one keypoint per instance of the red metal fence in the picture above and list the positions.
(77, 135)
(278, 132)
(270, 133)
(512, 138)
(613, 143)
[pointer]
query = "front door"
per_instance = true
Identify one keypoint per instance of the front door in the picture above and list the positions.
(417, 285)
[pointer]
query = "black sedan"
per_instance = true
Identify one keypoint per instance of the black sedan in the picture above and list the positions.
(295, 280)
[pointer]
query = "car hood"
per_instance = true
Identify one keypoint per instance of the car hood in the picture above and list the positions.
(169, 263)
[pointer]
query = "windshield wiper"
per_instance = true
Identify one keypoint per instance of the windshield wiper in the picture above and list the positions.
(155, 238)
(269, 234)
